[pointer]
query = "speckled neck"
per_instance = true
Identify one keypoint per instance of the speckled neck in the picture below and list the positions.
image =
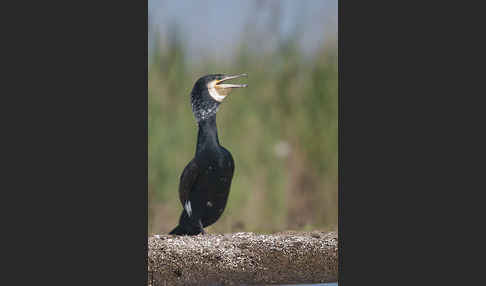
(203, 109)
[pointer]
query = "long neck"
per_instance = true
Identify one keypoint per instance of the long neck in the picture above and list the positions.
(207, 135)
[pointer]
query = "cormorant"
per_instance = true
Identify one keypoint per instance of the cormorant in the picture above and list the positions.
(205, 182)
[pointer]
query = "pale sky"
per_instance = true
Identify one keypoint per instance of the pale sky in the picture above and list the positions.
(214, 27)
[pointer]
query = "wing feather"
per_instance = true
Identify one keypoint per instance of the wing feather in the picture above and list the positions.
(187, 180)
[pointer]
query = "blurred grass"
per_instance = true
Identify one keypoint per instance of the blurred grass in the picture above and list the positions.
(282, 131)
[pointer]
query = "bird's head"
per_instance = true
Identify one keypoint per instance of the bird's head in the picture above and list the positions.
(209, 91)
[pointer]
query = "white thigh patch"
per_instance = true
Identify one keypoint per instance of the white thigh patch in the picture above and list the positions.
(188, 208)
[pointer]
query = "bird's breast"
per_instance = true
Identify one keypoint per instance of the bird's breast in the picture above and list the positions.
(217, 172)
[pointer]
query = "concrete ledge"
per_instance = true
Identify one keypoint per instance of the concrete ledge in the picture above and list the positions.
(243, 258)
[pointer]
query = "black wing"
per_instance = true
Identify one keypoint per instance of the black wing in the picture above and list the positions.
(188, 178)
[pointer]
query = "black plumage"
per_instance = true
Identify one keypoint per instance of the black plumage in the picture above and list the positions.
(206, 180)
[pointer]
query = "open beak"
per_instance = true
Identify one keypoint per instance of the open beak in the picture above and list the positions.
(228, 86)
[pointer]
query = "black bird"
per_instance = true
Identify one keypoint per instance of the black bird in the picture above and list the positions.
(205, 182)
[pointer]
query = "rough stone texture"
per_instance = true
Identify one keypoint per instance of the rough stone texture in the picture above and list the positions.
(243, 259)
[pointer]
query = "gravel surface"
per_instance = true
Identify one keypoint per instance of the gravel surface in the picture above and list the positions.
(243, 258)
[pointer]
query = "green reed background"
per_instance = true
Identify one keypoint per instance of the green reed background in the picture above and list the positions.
(282, 131)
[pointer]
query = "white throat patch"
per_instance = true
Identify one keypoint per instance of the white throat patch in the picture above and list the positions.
(214, 93)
